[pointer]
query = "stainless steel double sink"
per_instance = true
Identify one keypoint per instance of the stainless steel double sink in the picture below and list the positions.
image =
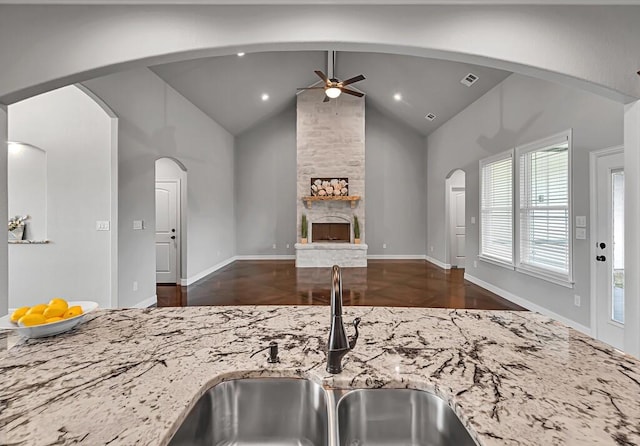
(288, 412)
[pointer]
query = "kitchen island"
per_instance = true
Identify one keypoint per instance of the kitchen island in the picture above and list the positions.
(129, 377)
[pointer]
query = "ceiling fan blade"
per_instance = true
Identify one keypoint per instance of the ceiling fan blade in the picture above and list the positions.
(353, 80)
(351, 92)
(311, 88)
(323, 76)
(326, 99)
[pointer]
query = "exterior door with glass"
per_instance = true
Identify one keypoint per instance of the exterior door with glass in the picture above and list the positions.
(609, 247)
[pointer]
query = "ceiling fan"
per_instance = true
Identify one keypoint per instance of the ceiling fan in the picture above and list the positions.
(334, 87)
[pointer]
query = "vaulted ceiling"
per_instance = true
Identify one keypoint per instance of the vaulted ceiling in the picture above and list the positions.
(230, 89)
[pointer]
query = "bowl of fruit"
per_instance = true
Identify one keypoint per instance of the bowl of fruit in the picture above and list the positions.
(49, 319)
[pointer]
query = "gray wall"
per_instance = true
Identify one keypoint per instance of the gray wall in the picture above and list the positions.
(4, 259)
(75, 133)
(266, 186)
(156, 121)
(517, 111)
(395, 186)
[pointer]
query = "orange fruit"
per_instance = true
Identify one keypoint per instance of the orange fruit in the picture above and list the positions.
(54, 311)
(17, 314)
(73, 312)
(59, 302)
(29, 320)
(37, 309)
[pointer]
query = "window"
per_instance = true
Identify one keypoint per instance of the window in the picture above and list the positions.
(542, 226)
(544, 230)
(496, 208)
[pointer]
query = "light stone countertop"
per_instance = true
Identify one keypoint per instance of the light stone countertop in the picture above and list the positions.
(129, 377)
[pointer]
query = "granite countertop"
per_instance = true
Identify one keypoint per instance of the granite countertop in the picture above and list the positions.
(129, 377)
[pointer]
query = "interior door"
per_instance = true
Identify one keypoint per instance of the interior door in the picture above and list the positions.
(167, 237)
(609, 258)
(458, 229)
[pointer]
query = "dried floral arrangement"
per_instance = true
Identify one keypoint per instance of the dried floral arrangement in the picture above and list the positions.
(326, 187)
(17, 222)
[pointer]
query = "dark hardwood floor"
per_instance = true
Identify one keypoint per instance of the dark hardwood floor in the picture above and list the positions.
(394, 283)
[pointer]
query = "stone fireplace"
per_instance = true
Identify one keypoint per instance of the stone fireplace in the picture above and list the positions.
(330, 145)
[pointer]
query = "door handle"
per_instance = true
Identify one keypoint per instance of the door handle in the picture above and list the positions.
(173, 237)
(173, 230)
(602, 245)
(601, 258)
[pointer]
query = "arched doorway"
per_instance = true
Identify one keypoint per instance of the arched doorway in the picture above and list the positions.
(455, 220)
(170, 228)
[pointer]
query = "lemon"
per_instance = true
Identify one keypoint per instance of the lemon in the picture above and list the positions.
(18, 314)
(73, 312)
(29, 320)
(37, 309)
(59, 302)
(54, 311)
(53, 319)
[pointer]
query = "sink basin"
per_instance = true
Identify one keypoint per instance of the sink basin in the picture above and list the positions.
(283, 412)
(398, 417)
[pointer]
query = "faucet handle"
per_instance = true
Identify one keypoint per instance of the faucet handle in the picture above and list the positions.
(354, 339)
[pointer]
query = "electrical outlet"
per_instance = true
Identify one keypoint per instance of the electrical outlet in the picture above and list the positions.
(102, 225)
(431, 248)
(475, 263)
(138, 225)
(273, 246)
(576, 300)
(287, 246)
(218, 253)
(384, 246)
(135, 286)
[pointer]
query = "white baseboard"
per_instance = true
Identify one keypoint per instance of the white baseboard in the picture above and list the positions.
(153, 300)
(267, 257)
(438, 263)
(527, 304)
(206, 272)
(396, 257)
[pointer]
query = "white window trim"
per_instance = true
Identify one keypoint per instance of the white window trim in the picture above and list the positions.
(559, 279)
(495, 261)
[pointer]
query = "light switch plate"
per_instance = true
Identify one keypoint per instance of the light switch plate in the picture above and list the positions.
(102, 225)
(581, 221)
(581, 234)
(138, 225)
(473, 220)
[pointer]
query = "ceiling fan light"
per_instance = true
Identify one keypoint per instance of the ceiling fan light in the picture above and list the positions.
(333, 92)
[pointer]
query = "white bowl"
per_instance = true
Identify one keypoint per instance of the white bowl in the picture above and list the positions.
(54, 328)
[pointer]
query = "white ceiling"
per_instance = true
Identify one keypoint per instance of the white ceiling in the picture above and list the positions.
(229, 88)
(323, 2)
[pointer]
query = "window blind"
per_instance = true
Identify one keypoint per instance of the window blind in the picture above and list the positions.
(544, 204)
(496, 209)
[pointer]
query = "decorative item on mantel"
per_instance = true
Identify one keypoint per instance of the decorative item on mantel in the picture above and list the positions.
(329, 187)
(356, 230)
(16, 227)
(304, 229)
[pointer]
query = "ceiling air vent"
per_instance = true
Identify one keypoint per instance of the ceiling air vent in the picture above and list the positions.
(469, 79)
(430, 117)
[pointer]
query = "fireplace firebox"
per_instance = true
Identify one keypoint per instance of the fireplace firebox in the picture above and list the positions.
(331, 232)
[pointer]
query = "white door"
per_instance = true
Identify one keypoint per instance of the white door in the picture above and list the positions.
(457, 218)
(609, 247)
(167, 234)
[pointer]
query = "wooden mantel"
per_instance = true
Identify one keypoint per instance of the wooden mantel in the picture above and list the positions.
(351, 198)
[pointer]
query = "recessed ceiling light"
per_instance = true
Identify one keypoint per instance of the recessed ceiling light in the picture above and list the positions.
(397, 97)
(240, 54)
(264, 97)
